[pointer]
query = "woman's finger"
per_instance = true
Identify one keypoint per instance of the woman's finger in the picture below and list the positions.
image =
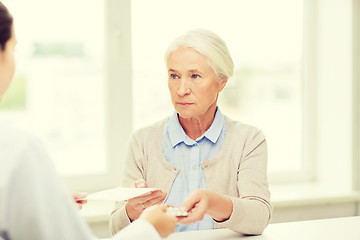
(154, 201)
(81, 201)
(143, 199)
(78, 195)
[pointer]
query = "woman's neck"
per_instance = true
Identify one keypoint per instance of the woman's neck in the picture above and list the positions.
(197, 126)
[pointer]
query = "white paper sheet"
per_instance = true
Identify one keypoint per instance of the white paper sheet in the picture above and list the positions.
(118, 194)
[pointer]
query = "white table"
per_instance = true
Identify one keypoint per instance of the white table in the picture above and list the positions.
(328, 229)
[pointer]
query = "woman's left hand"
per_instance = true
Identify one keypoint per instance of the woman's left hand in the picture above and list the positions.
(202, 202)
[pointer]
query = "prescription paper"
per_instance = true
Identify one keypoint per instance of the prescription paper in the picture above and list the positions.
(118, 194)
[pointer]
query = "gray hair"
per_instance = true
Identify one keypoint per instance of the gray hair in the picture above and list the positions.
(209, 45)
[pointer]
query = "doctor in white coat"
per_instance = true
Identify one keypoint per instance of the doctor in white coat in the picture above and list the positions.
(34, 204)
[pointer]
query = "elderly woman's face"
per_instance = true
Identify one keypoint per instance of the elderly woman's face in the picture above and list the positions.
(192, 83)
(7, 64)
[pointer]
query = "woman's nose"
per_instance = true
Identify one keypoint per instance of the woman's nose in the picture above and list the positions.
(183, 88)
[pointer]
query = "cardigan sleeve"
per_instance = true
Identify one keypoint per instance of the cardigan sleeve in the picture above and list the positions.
(252, 209)
(143, 148)
(133, 170)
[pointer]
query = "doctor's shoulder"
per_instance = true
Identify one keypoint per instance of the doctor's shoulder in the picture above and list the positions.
(16, 147)
(15, 142)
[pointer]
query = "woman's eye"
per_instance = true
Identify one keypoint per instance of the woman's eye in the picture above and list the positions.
(195, 76)
(174, 76)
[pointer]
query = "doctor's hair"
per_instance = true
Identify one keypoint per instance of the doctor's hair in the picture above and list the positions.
(6, 22)
(208, 44)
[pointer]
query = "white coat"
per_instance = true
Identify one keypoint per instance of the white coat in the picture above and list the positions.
(34, 203)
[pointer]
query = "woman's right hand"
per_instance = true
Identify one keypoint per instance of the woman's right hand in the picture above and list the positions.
(163, 223)
(135, 206)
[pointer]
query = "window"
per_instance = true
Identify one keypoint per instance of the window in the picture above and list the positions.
(58, 91)
(84, 82)
(265, 39)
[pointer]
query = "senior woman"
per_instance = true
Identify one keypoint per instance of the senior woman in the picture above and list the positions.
(212, 166)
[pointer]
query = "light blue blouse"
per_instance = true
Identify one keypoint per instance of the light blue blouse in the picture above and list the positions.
(187, 154)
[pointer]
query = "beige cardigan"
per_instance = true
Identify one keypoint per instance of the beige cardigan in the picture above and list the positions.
(239, 171)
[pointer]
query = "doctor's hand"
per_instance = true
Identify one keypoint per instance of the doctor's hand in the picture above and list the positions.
(201, 202)
(135, 206)
(163, 223)
(79, 195)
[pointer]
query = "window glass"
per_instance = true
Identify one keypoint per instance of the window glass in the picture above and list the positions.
(58, 89)
(265, 39)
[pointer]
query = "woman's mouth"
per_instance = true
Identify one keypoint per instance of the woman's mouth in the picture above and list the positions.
(184, 103)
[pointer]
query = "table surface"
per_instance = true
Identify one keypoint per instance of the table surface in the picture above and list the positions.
(328, 229)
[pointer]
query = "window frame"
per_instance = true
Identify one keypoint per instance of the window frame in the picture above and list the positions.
(118, 98)
(356, 94)
(309, 102)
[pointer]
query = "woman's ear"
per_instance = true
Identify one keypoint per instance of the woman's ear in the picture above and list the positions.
(222, 82)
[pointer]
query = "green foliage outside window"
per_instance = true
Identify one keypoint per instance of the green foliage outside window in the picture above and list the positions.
(15, 97)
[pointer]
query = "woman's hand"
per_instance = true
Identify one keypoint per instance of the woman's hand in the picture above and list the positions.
(79, 195)
(202, 202)
(163, 223)
(135, 206)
